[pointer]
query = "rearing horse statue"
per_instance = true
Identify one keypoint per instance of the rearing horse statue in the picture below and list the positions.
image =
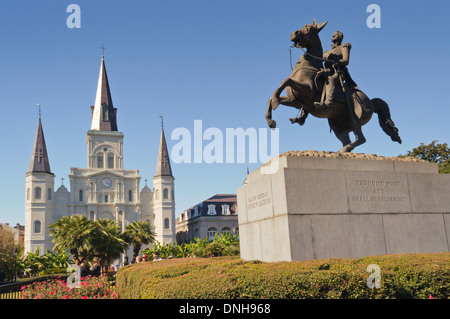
(303, 88)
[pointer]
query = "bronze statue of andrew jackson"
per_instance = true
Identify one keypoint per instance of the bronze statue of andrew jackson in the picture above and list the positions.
(328, 91)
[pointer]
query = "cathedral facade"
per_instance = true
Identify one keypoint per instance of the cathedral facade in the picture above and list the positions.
(104, 189)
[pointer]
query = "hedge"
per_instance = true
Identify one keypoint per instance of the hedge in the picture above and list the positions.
(402, 276)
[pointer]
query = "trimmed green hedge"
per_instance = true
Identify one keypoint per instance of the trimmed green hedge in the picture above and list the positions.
(402, 276)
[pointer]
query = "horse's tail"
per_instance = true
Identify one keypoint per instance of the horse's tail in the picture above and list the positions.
(384, 118)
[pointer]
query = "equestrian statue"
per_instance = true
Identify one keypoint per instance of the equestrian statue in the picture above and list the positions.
(320, 84)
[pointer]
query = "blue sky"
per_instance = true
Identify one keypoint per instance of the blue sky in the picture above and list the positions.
(215, 61)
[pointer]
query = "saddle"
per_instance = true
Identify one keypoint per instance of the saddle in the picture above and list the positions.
(345, 89)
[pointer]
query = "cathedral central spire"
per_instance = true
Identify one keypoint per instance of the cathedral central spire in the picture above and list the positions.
(103, 111)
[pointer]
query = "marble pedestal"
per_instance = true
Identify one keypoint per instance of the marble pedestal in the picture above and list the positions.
(316, 205)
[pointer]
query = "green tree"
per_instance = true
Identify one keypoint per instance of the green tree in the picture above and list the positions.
(7, 254)
(106, 241)
(139, 233)
(434, 153)
(72, 233)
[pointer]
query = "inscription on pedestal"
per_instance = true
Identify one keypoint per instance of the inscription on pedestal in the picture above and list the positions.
(379, 191)
(258, 200)
(378, 194)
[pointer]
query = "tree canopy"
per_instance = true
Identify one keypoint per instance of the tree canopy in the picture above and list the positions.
(434, 153)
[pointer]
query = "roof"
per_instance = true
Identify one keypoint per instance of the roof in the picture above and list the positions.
(222, 198)
(163, 167)
(103, 113)
(39, 158)
(218, 200)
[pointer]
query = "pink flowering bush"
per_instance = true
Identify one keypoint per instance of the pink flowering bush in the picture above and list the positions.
(91, 288)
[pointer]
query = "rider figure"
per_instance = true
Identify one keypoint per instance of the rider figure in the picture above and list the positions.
(335, 66)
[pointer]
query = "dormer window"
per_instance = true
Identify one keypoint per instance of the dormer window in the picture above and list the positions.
(226, 209)
(211, 209)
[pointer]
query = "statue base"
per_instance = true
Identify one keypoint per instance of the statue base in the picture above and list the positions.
(318, 205)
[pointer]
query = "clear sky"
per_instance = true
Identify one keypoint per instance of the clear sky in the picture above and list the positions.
(210, 60)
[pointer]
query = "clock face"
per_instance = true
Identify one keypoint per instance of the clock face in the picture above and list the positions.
(106, 182)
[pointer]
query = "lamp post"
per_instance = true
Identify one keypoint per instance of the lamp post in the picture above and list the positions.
(16, 251)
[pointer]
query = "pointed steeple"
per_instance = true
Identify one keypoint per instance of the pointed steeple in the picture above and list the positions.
(103, 113)
(163, 165)
(39, 158)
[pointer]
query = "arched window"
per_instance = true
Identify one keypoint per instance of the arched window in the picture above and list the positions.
(156, 194)
(211, 233)
(165, 193)
(80, 195)
(28, 194)
(100, 160)
(37, 227)
(166, 223)
(110, 160)
(49, 194)
(37, 193)
(226, 230)
(130, 195)
(106, 198)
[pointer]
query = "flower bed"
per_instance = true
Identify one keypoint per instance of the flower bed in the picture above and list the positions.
(91, 288)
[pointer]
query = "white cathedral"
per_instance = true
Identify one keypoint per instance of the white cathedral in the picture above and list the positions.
(102, 190)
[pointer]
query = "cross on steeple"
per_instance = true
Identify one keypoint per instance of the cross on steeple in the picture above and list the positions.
(39, 106)
(103, 48)
(162, 121)
(62, 180)
(164, 159)
(39, 154)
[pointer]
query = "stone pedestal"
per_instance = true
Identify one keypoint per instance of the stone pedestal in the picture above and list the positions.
(316, 205)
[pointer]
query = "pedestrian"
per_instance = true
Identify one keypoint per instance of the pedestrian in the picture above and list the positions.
(156, 257)
(138, 259)
(84, 268)
(145, 258)
(95, 269)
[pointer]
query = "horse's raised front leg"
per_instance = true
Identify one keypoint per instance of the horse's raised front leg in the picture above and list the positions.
(285, 100)
(272, 124)
(277, 99)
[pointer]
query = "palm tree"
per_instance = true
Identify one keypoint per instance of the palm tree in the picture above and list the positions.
(107, 241)
(139, 233)
(72, 233)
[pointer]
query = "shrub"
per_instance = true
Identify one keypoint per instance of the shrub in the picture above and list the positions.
(221, 245)
(402, 276)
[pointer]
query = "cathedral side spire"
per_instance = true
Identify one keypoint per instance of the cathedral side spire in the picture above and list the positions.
(39, 158)
(104, 113)
(163, 164)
